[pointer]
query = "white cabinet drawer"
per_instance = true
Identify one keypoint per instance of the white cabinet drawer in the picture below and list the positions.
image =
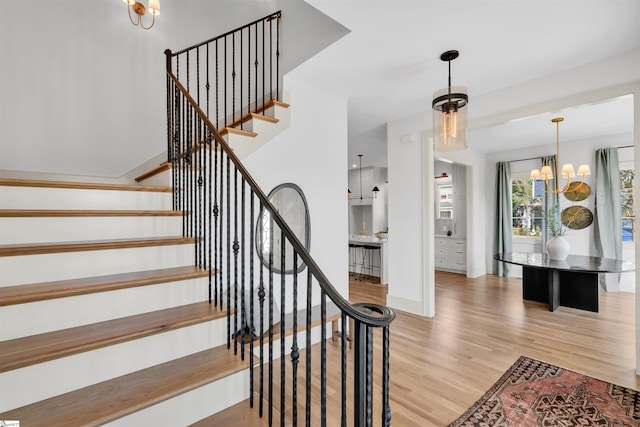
(441, 251)
(457, 243)
(441, 242)
(441, 262)
(457, 263)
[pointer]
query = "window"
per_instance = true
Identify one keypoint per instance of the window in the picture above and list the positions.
(626, 204)
(526, 205)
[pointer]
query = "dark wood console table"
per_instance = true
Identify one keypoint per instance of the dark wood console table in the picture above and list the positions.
(570, 283)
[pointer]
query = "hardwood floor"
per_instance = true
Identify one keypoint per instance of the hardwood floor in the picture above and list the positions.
(442, 365)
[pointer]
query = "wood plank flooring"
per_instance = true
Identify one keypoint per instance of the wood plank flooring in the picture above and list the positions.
(440, 366)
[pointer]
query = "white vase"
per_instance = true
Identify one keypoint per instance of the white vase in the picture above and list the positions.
(558, 248)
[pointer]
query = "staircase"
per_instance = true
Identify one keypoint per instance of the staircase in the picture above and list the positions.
(148, 304)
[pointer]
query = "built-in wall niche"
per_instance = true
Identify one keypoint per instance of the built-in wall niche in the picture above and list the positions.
(450, 199)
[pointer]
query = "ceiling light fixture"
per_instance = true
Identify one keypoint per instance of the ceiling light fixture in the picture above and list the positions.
(140, 10)
(374, 191)
(567, 169)
(449, 114)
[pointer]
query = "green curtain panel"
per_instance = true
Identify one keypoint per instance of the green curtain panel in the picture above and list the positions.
(504, 222)
(607, 218)
(549, 200)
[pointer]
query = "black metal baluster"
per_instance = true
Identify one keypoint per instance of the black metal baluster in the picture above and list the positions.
(233, 78)
(243, 312)
(210, 212)
(343, 382)
(271, 235)
(323, 359)
(241, 64)
(261, 295)
(386, 409)
(295, 353)
(226, 59)
(251, 287)
(249, 69)
(369, 347)
(270, 59)
(217, 122)
(228, 240)
(278, 57)
(216, 212)
(308, 351)
(256, 65)
(263, 65)
(236, 248)
(359, 366)
(283, 382)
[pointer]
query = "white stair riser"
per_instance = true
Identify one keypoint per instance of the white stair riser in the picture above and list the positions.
(37, 382)
(61, 313)
(163, 178)
(18, 270)
(70, 229)
(244, 145)
(193, 406)
(72, 198)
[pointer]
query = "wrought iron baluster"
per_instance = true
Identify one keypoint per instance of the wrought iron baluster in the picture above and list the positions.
(323, 358)
(369, 358)
(308, 351)
(295, 353)
(241, 65)
(359, 402)
(216, 239)
(386, 409)
(251, 288)
(243, 313)
(271, 235)
(261, 296)
(228, 240)
(278, 57)
(343, 365)
(236, 248)
(283, 331)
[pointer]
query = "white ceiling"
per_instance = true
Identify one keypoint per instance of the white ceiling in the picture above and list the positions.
(388, 66)
(81, 86)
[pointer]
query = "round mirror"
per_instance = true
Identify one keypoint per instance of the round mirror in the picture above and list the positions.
(290, 203)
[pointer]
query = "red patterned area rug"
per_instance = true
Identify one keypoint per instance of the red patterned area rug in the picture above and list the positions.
(535, 393)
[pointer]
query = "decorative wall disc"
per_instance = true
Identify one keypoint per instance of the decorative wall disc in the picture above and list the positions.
(577, 191)
(576, 217)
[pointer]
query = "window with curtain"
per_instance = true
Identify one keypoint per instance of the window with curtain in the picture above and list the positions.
(627, 177)
(526, 203)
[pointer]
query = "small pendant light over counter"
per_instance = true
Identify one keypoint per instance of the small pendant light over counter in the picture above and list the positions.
(374, 191)
(449, 113)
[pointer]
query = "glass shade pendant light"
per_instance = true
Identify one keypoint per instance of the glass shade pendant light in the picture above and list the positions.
(566, 172)
(449, 113)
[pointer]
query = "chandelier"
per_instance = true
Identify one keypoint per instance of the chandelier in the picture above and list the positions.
(374, 191)
(567, 171)
(449, 114)
(140, 10)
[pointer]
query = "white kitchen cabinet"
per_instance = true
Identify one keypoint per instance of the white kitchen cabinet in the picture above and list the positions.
(451, 254)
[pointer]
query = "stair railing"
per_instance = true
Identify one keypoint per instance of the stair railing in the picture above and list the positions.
(222, 204)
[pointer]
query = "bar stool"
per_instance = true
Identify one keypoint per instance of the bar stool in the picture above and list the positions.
(369, 250)
(353, 257)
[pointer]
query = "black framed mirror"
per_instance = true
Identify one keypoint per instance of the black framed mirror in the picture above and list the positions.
(289, 201)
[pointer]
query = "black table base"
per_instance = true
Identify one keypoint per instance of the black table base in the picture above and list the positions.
(560, 288)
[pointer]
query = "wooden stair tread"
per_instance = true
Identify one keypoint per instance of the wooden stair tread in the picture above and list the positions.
(26, 351)
(82, 185)
(230, 130)
(21, 294)
(107, 401)
(164, 166)
(238, 415)
(333, 314)
(49, 213)
(95, 245)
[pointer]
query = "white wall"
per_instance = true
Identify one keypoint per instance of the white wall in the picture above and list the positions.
(312, 153)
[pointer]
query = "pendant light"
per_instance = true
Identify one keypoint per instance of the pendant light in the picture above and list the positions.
(449, 113)
(374, 191)
(567, 171)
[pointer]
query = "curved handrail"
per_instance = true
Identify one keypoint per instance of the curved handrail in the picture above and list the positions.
(386, 314)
